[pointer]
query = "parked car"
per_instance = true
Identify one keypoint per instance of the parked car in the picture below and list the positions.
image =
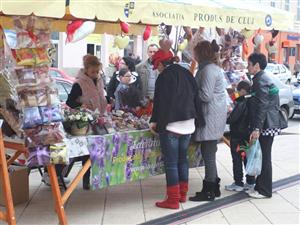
(280, 71)
(296, 98)
(56, 73)
(285, 97)
(64, 87)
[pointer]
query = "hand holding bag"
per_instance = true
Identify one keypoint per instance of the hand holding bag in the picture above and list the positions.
(254, 159)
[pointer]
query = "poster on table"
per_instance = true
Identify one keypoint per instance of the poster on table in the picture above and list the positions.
(129, 156)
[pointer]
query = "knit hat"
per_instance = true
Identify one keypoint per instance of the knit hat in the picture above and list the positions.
(161, 56)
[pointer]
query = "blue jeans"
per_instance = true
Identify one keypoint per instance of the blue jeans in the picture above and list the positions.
(174, 148)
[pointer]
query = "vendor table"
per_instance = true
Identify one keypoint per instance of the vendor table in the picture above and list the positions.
(114, 158)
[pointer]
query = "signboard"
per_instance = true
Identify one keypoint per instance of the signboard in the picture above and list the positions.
(129, 156)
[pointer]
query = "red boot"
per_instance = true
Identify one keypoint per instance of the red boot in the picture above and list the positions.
(172, 201)
(184, 187)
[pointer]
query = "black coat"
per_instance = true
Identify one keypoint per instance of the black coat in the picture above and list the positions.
(264, 105)
(113, 84)
(175, 97)
(239, 119)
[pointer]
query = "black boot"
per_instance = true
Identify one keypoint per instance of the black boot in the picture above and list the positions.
(207, 193)
(217, 187)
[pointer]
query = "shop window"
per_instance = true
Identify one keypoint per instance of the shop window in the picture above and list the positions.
(90, 49)
(273, 4)
(292, 51)
(287, 5)
(298, 10)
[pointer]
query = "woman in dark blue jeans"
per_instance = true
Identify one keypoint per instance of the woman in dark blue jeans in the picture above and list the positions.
(173, 118)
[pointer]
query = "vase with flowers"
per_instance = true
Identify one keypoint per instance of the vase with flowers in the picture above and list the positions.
(79, 120)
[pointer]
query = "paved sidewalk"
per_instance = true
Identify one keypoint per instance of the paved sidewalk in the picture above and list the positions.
(133, 203)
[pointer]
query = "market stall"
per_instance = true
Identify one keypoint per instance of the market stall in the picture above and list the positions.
(121, 155)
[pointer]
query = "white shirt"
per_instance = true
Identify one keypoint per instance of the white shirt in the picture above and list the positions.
(182, 127)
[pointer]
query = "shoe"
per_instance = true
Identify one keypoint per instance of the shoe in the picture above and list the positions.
(183, 188)
(217, 188)
(248, 187)
(172, 200)
(66, 181)
(256, 194)
(46, 179)
(207, 193)
(86, 186)
(234, 187)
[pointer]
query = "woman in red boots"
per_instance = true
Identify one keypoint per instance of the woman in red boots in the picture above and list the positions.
(173, 118)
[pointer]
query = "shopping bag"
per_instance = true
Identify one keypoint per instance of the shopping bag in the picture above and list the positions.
(254, 159)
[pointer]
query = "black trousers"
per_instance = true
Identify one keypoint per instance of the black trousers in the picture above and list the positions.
(237, 164)
(208, 151)
(264, 180)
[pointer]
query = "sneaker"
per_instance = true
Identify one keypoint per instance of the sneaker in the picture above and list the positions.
(234, 187)
(255, 194)
(46, 179)
(248, 187)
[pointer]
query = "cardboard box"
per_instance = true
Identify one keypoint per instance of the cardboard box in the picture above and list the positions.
(19, 185)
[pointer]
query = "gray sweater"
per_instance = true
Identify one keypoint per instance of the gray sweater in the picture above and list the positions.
(211, 90)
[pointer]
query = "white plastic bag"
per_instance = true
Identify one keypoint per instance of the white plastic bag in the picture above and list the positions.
(254, 159)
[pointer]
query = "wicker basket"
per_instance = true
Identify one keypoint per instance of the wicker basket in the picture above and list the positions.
(75, 131)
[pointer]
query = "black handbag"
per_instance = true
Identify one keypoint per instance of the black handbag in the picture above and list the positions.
(283, 120)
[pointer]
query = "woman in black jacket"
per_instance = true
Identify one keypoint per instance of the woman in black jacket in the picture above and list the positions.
(265, 120)
(174, 113)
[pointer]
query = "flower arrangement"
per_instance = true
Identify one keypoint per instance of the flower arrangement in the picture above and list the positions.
(81, 117)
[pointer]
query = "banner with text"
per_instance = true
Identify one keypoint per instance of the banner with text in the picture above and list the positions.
(129, 156)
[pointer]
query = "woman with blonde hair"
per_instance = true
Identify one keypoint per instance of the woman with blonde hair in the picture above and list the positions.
(211, 91)
(88, 91)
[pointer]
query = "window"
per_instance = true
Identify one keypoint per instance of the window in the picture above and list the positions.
(292, 51)
(90, 49)
(283, 69)
(62, 94)
(276, 70)
(298, 10)
(273, 4)
(287, 5)
(54, 73)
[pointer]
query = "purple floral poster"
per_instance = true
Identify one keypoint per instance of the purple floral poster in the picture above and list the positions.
(128, 156)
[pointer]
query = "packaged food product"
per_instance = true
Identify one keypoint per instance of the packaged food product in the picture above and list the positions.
(31, 117)
(44, 135)
(59, 154)
(38, 156)
(51, 114)
(24, 56)
(26, 76)
(41, 56)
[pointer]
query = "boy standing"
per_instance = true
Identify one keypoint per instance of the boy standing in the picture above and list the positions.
(239, 136)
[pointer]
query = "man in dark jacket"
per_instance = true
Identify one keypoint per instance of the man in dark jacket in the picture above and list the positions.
(264, 120)
(239, 136)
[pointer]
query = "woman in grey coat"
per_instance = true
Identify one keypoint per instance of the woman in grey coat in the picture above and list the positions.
(211, 90)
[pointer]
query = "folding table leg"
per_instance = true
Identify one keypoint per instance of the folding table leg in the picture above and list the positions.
(9, 216)
(59, 206)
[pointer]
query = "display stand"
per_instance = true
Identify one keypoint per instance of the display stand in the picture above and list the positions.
(9, 215)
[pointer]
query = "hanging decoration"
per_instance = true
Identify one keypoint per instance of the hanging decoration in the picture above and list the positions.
(78, 30)
(124, 27)
(147, 33)
(121, 41)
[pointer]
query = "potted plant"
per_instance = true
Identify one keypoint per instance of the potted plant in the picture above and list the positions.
(79, 120)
